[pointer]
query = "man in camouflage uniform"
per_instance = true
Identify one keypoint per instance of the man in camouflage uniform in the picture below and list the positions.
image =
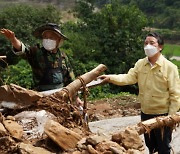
(51, 68)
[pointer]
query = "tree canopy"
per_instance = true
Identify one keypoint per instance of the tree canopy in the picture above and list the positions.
(112, 35)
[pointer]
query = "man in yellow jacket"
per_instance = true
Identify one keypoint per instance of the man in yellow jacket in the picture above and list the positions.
(159, 89)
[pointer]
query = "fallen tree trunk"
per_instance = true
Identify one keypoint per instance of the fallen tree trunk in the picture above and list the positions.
(14, 96)
(22, 97)
(63, 102)
(158, 122)
(68, 92)
(130, 137)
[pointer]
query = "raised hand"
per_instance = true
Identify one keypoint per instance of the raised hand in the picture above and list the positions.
(8, 34)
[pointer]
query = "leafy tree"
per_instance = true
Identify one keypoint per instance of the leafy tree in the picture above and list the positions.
(23, 19)
(19, 74)
(112, 35)
(163, 13)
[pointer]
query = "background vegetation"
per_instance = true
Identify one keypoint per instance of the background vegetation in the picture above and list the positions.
(108, 32)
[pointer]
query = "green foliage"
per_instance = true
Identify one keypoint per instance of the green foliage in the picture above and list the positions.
(170, 35)
(162, 13)
(23, 19)
(19, 74)
(171, 49)
(111, 34)
(177, 63)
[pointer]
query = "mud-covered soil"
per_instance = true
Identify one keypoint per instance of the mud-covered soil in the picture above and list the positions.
(113, 107)
(67, 114)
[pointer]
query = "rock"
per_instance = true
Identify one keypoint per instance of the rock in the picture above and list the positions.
(7, 144)
(76, 152)
(107, 146)
(10, 118)
(65, 138)
(133, 151)
(14, 128)
(129, 138)
(2, 130)
(81, 144)
(30, 149)
(117, 151)
(95, 139)
(91, 150)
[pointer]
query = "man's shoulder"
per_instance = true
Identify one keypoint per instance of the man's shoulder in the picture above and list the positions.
(36, 49)
(168, 63)
(141, 61)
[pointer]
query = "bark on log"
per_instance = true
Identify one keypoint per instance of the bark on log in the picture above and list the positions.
(20, 96)
(65, 138)
(159, 122)
(71, 90)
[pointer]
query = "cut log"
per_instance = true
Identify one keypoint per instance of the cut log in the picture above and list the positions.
(20, 96)
(71, 90)
(64, 137)
(158, 122)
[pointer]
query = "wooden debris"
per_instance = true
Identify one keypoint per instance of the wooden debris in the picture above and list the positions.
(64, 137)
(158, 122)
(71, 90)
(21, 96)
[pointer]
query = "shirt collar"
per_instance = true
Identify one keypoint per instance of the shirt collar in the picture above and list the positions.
(158, 62)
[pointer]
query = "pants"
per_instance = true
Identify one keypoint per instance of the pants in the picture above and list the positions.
(155, 142)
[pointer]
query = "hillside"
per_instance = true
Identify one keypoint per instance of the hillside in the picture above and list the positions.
(62, 4)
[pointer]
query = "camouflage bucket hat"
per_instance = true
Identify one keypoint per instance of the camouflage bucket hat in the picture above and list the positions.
(49, 26)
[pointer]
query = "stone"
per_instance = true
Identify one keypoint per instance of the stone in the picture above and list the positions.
(64, 137)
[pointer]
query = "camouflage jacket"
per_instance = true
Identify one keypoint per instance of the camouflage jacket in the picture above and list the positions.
(50, 70)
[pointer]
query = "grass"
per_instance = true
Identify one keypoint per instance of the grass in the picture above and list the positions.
(177, 63)
(171, 49)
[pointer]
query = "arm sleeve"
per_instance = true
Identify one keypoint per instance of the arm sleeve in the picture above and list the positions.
(126, 79)
(68, 71)
(21, 52)
(174, 91)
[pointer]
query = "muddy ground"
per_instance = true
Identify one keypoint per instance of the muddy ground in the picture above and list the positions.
(65, 114)
(113, 107)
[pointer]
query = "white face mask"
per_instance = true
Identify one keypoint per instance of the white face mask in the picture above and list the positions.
(150, 50)
(49, 44)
